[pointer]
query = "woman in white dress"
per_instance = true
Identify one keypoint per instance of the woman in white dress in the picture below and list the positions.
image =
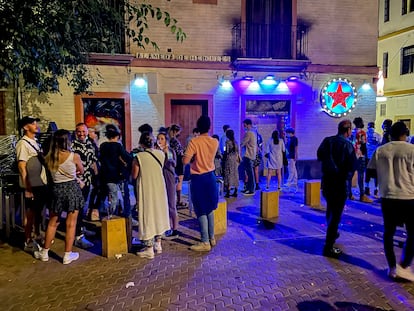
(152, 198)
(274, 154)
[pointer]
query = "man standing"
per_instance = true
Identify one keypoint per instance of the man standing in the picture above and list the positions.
(292, 156)
(248, 148)
(223, 139)
(394, 163)
(84, 147)
(32, 179)
(338, 164)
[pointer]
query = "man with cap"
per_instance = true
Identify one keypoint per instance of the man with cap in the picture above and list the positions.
(394, 163)
(32, 178)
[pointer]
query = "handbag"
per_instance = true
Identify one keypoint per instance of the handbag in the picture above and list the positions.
(34, 167)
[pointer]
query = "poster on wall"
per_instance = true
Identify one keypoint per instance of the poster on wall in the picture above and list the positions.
(338, 97)
(98, 112)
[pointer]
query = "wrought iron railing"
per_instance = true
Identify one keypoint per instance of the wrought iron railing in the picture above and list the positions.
(274, 41)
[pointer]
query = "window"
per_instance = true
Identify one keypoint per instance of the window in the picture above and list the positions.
(386, 10)
(404, 4)
(407, 57)
(411, 9)
(385, 64)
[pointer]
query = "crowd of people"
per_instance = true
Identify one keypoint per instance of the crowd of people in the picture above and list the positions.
(78, 171)
(390, 162)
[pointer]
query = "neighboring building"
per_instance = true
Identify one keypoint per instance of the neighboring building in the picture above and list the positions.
(396, 59)
(278, 56)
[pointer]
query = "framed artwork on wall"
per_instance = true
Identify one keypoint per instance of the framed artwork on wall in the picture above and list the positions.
(100, 109)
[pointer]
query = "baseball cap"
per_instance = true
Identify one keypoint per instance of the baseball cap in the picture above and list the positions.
(27, 120)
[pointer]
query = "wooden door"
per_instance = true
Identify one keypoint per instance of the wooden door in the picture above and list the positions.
(185, 114)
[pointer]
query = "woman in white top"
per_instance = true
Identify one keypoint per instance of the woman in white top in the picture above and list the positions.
(63, 165)
(274, 154)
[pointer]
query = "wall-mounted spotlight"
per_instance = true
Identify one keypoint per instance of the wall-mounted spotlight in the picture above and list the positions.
(139, 79)
(269, 80)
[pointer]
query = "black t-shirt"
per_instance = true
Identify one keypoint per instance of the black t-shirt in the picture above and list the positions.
(114, 161)
(292, 142)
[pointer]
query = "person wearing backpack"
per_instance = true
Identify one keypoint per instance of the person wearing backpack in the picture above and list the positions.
(33, 180)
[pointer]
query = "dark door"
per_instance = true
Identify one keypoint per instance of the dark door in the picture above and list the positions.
(185, 113)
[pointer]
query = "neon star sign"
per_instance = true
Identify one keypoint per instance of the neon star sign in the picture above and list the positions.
(338, 97)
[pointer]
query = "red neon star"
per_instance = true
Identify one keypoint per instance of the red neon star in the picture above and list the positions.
(339, 97)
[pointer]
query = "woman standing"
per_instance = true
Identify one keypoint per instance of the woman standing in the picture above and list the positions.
(152, 199)
(67, 195)
(274, 154)
(173, 132)
(231, 164)
(200, 152)
(169, 178)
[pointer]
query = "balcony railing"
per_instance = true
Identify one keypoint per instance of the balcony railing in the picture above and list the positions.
(273, 41)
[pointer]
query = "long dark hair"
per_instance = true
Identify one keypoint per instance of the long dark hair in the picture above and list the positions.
(61, 140)
(230, 136)
(275, 137)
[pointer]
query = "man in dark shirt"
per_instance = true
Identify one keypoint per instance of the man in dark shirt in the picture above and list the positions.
(338, 163)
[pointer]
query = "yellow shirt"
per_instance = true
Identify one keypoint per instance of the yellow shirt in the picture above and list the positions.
(201, 152)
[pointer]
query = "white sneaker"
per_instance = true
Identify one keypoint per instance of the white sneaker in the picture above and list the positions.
(42, 255)
(405, 273)
(157, 248)
(69, 257)
(148, 252)
(82, 242)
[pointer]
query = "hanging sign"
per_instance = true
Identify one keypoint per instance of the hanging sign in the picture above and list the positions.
(338, 97)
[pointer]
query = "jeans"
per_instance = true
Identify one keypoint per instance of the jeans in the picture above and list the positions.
(334, 191)
(126, 211)
(293, 173)
(396, 213)
(206, 227)
(113, 196)
(248, 169)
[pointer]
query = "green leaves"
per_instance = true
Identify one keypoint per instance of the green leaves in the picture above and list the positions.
(45, 40)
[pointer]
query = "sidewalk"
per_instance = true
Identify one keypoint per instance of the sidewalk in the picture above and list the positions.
(257, 265)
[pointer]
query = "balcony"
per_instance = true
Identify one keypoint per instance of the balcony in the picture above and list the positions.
(272, 47)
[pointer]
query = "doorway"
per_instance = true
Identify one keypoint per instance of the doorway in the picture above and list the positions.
(184, 110)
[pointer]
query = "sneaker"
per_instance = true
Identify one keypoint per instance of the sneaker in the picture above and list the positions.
(172, 234)
(201, 247)
(135, 241)
(31, 247)
(405, 273)
(95, 215)
(244, 191)
(157, 248)
(365, 199)
(257, 187)
(332, 252)
(134, 222)
(87, 232)
(42, 255)
(82, 242)
(69, 257)
(213, 242)
(248, 193)
(148, 252)
(392, 273)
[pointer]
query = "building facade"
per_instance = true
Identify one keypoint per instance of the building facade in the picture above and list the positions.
(396, 60)
(302, 64)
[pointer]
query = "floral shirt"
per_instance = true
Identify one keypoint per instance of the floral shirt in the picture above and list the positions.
(87, 154)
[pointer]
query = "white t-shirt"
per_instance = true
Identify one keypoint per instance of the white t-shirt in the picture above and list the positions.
(394, 163)
(24, 151)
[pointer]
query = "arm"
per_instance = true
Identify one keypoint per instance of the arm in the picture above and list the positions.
(189, 153)
(78, 163)
(21, 165)
(135, 169)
